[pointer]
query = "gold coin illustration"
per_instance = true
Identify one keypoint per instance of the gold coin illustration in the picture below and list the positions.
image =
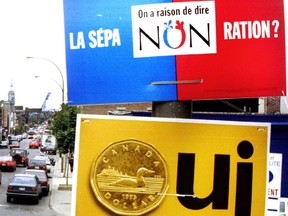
(128, 176)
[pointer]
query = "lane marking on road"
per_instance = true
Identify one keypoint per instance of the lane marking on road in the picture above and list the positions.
(4, 205)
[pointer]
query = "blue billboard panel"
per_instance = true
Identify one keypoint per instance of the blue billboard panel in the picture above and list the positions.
(99, 55)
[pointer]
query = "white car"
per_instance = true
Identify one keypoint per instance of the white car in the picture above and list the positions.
(4, 144)
(47, 161)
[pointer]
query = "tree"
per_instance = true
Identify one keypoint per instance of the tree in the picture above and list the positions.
(19, 129)
(64, 128)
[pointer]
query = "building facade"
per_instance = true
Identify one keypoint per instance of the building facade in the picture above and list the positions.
(8, 114)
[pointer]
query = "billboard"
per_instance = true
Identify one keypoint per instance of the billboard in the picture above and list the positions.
(159, 166)
(162, 50)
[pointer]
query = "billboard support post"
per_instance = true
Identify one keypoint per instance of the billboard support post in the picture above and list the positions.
(172, 109)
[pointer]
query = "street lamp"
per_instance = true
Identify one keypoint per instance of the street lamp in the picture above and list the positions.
(62, 89)
(61, 86)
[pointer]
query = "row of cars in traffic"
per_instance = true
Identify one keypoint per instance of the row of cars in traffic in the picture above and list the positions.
(12, 139)
(34, 182)
(47, 147)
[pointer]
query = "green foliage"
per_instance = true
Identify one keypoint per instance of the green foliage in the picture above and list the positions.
(64, 127)
(19, 129)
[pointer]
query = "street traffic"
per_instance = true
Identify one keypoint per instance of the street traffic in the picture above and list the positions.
(23, 206)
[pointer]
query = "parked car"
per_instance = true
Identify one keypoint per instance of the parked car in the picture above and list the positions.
(35, 144)
(7, 163)
(47, 131)
(43, 178)
(24, 186)
(47, 161)
(20, 156)
(15, 144)
(4, 144)
(38, 164)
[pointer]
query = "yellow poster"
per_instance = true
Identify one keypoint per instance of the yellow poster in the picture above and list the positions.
(164, 166)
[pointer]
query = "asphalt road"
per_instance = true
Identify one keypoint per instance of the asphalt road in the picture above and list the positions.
(23, 207)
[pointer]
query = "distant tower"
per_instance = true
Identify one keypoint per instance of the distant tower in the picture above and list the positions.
(11, 96)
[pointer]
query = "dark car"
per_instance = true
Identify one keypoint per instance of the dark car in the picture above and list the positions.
(47, 161)
(24, 186)
(20, 156)
(39, 164)
(43, 178)
(0, 177)
(7, 163)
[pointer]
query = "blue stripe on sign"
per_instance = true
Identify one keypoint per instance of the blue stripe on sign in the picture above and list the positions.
(273, 198)
(273, 210)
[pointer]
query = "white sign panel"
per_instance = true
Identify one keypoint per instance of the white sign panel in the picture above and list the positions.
(174, 29)
(274, 186)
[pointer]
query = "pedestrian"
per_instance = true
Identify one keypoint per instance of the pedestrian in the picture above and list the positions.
(71, 161)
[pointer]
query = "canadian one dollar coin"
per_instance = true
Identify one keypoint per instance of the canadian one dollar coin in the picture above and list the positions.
(129, 177)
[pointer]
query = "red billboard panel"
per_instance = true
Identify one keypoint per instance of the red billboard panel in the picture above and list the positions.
(250, 56)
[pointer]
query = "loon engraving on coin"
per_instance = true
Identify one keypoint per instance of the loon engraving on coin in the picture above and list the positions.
(128, 176)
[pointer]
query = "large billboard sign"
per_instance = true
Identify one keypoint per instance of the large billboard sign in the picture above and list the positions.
(159, 50)
(159, 166)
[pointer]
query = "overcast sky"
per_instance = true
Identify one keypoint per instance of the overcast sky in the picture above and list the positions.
(32, 28)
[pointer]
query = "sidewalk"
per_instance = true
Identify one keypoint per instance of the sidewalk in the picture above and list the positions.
(60, 197)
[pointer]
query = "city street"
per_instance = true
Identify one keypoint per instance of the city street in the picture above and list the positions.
(23, 207)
